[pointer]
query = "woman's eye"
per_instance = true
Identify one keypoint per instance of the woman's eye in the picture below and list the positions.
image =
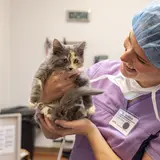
(76, 61)
(125, 48)
(140, 60)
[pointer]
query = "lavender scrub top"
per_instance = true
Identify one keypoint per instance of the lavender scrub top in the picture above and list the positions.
(107, 105)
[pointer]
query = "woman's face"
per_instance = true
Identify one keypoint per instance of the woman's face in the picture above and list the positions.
(136, 65)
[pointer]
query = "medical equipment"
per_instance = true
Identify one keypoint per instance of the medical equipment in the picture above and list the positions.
(10, 136)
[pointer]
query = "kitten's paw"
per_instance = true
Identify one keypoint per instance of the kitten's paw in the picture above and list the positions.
(47, 112)
(49, 116)
(31, 105)
(91, 110)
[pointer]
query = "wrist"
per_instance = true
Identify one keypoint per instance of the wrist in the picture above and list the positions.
(91, 130)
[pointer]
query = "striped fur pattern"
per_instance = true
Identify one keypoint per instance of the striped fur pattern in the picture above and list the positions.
(77, 102)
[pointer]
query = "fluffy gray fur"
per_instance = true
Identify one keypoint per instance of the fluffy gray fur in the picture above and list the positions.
(77, 102)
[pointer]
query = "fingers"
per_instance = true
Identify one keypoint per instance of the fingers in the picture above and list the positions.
(45, 123)
(63, 78)
(66, 75)
(65, 83)
(59, 131)
(55, 87)
(68, 87)
(73, 74)
(40, 118)
(42, 122)
(66, 124)
(64, 132)
(61, 89)
(49, 124)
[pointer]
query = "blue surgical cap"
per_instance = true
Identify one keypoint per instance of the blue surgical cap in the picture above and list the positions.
(146, 28)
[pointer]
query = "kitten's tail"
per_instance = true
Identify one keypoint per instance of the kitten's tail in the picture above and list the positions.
(71, 96)
(84, 91)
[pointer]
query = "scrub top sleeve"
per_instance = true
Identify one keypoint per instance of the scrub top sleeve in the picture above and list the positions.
(93, 71)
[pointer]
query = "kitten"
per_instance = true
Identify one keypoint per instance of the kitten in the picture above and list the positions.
(77, 102)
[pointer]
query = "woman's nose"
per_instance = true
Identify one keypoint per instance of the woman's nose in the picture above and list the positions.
(123, 57)
(126, 56)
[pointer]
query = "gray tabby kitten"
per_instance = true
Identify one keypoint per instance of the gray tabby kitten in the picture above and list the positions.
(77, 102)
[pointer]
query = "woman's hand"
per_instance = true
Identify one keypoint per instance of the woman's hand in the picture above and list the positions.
(45, 126)
(57, 84)
(82, 127)
(100, 147)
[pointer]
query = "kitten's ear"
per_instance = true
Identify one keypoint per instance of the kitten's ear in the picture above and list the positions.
(57, 47)
(48, 43)
(80, 48)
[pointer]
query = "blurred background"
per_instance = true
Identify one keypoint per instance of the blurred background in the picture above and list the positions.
(25, 25)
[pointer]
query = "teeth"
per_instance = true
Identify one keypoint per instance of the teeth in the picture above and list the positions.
(130, 67)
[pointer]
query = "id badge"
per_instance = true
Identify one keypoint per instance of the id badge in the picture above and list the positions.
(123, 122)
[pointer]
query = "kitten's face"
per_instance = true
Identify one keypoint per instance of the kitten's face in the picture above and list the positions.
(68, 56)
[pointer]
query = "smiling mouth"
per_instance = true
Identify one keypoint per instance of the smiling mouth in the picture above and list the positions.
(129, 68)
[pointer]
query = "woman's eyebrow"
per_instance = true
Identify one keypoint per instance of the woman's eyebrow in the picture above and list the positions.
(129, 37)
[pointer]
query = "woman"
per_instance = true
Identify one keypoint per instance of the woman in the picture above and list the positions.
(126, 123)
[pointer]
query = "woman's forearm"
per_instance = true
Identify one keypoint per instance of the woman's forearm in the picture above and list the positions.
(101, 149)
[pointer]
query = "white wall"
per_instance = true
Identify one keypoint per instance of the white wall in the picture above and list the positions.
(33, 20)
(4, 53)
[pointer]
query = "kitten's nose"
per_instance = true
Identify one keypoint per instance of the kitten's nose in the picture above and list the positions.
(70, 68)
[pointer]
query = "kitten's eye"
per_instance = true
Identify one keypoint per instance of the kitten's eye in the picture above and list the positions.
(65, 60)
(76, 61)
(56, 53)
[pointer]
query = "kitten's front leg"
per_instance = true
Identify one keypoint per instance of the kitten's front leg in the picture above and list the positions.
(35, 92)
(39, 79)
(45, 109)
(47, 112)
(91, 110)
